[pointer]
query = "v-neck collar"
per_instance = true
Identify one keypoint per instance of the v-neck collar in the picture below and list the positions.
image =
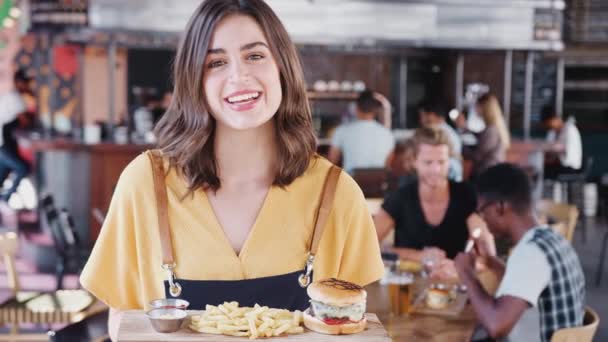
(418, 201)
(218, 230)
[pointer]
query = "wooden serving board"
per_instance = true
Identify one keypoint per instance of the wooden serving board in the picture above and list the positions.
(135, 327)
(454, 308)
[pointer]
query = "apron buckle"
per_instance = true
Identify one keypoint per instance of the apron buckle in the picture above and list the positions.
(304, 279)
(175, 289)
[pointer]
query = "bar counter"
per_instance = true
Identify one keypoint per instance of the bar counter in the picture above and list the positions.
(71, 145)
(81, 177)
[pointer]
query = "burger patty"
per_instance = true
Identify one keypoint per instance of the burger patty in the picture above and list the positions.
(353, 312)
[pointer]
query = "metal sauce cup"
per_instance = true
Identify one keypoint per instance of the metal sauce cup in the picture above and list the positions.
(169, 303)
(167, 320)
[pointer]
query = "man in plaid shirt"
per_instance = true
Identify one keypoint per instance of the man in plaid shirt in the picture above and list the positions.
(543, 287)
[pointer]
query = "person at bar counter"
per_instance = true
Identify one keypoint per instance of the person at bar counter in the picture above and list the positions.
(13, 109)
(363, 143)
(494, 140)
(543, 285)
(432, 114)
(566, 151)
(243, 182)
(432, 216)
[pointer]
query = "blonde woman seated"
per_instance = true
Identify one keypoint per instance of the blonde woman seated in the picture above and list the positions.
(433, 217)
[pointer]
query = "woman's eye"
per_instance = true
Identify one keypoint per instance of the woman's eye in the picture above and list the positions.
(255, 57)
(215, 64)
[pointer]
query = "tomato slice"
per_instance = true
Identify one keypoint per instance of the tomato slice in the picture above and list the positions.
(335, 321)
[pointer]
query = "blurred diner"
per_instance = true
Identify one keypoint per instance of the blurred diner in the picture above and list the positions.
(433, 217)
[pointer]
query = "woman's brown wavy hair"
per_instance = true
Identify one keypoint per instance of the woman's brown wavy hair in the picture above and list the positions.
(186, 131)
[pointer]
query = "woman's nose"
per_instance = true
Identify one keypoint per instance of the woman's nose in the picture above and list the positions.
(238, 71)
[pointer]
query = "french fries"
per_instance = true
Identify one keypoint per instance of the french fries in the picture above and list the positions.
(258, 321)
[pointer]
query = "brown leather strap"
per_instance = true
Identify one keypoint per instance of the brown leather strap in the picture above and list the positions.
(160, 191)
(327, 200)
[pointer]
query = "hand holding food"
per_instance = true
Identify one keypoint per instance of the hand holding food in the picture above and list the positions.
(253, 322)
(444, 270)
(465, 264)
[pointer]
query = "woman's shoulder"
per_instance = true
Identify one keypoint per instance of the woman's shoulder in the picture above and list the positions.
(407, 190)
(462, 187)
(137, 175)
(314, 177)
(137, 169)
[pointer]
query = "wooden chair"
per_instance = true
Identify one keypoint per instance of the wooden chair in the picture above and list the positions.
(34, 307)
(373, 205)
(70, 252)
(8, 247)
(604, 214)
(565, 216)
(584, 333)
(373, 182)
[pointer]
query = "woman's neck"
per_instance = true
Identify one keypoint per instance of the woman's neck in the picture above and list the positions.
(438, 192)
(246, 157)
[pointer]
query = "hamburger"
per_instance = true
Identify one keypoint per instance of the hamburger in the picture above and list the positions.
(437, 299)
(337, 307)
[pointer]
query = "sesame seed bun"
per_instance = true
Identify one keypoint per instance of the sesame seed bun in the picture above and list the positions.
(336, 292)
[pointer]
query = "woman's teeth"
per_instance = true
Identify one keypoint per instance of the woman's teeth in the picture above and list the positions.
(243, 98)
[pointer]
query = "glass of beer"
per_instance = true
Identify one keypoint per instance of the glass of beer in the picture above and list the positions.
(399, 291)
(400, 298)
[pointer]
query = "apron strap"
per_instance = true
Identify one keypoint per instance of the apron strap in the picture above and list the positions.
(160, 191)
(162, 209)
(327, 200)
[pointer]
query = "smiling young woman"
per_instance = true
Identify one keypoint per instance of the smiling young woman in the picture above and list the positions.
(233, 49)
(230, 203)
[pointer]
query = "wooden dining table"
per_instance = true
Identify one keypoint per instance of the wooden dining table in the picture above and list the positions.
(413, 327)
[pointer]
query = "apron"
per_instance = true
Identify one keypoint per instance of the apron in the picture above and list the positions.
(285, 291)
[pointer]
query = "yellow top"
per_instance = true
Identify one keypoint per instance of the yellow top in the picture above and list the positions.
(124, 269)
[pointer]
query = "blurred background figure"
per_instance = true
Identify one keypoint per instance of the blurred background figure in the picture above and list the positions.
(459, 118)
(433, 115)
(145, 117)
(432, 216)
(494, 140)
(12, 107)
(363, 143)
(566, 149)
(23, 85)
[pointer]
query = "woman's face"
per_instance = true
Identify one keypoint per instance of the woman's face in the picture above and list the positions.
(432, 164)
(241, 80)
